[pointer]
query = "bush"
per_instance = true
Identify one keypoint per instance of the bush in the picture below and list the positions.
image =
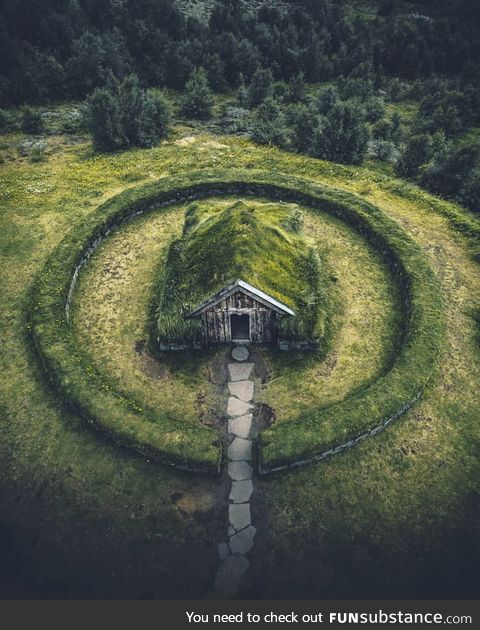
(197, 101)
(374, 109)
(469, 193)
(261, 87)
(31, 120)
(342, 135)
(4, 120)
(451, 168)
(418, 151)
(268, 124)
(122, 115)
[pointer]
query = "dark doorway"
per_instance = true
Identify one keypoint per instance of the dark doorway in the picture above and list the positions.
(240, 325)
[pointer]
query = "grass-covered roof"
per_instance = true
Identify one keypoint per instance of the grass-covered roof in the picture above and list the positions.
(260, 243)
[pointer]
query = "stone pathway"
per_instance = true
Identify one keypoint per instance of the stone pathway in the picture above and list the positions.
(241, 532)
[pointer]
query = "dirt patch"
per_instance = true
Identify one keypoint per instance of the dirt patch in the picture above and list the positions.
(261, 370)
(328, 365)
(218, 369)
(150, 366)
(263, 418)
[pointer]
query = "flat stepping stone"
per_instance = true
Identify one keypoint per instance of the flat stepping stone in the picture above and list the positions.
(229, 575)
(240, 450)
(241, 426)
(238, 471)
(223, 551)
(242, 390)
(242, 542)
(240, 353)
(239, 516)
(237, 407)
(241, 491)
(240, 371)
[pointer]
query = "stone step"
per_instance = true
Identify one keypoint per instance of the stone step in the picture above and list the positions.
(241, 491)
(242, 390)
(238, 471)
(239, 516)
(241, 426)
(240, 371)
(240, 450)
(242, 542)
(237, 407)
(240, 353)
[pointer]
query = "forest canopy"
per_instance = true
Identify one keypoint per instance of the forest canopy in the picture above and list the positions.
(54, 50)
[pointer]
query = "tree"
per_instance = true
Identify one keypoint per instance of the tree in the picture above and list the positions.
(104, 120)
(469, 193)
(302, 121)
(417, 152)
(31, 120)
(261, 86)
(268, 124)
(197, 101)
(342, 135)
(327, 98)
(123, 115)
(451, 169)
(297, 89)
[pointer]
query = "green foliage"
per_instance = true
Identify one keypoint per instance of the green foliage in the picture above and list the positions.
(418, 151)
(123, 115)
(454, 174)
(31, 120)
(261, 86)
(374, 109)
(37, 154)
(268, 124)
(297, 89)
(4, 120)
(197, 101)
(342, 135)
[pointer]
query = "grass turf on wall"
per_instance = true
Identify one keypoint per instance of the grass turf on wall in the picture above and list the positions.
(291, 443)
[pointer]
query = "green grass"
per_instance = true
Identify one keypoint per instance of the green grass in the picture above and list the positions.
(366, 326)
(394, 517)
(165, 437)
(111, 321)
(258, 243)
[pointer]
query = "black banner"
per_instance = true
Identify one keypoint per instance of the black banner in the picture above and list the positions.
(193, 615)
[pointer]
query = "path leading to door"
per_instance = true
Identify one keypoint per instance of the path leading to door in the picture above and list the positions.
(241, 532)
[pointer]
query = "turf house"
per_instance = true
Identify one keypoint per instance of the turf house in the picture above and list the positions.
(240, 274)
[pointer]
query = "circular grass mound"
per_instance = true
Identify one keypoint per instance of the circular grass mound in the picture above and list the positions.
(315, 435)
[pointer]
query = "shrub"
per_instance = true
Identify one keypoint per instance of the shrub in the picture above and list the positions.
(297, 89)
(342, 135)
(122, 115)
(31, 120)
(374, 109)
(197, 101)
(450, 169)
(469, 193)
(4, 120)
(416, 153)
(261, 86)
(268, 124)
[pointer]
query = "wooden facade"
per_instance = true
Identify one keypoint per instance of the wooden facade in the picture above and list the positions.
(241, 313)
(240, 317)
